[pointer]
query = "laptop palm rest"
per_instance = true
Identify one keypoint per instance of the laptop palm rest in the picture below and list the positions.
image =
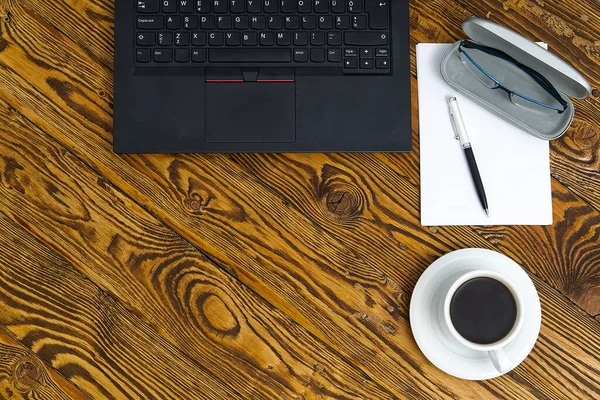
(250, 112)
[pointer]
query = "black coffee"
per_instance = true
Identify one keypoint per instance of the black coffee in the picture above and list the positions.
(483, 310)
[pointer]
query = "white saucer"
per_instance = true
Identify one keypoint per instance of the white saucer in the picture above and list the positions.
(445, 352)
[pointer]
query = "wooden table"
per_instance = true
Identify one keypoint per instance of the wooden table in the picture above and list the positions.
(258, 276)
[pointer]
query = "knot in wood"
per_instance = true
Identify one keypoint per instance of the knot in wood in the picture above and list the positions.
(196, 202)
(195, 205)
(27, 375)
(342, 197)
(595, 92)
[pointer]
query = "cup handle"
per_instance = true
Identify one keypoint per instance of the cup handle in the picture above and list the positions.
(500, 360)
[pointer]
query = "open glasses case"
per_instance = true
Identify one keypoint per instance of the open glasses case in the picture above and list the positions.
(542, 122)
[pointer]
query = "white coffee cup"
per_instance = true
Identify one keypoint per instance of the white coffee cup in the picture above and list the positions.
(494, 350)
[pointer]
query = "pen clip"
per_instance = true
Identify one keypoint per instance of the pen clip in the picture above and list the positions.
(454, 126)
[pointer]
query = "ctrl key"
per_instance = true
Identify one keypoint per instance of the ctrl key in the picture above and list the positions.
(143, 55)
(163, 55)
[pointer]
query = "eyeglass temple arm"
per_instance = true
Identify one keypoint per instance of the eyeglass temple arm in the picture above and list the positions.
(539, 78)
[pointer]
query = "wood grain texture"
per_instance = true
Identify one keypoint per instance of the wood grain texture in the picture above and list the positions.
(84, 333)
(317, 243)
(138, 262)
(24, 376)
(249, 235)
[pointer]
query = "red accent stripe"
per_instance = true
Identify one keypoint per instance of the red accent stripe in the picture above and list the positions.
(225, 80)
(274, 80)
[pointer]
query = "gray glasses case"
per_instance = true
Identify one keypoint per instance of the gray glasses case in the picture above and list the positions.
(543, 123)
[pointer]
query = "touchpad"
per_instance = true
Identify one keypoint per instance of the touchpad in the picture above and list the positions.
(250, 112)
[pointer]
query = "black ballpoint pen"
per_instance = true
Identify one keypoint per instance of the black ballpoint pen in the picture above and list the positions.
(461, 134)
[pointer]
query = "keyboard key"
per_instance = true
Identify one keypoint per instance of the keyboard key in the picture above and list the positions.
(147, 6)
(325, 22)
(164, 39)
(143, 55)
(275, 22)
(199, 38)
(233, 39)
(304, 6)
(382, 52)
(190, 22)
(145, 39)
(366, 64)
(351, 63)
(366, 53)
(284, 38)
(270, 6)
(338, 6)
(301, 55)
(250, 39)
(207, 22)
(219, 6)
(224, 22)
(334, 38)
(258, 22)
(378, 13)
(317, 39)
(287, 6)
(198, 55)
(342, 22)
(300, 38)
(186, 6)
(317, 55)
(163, 55)
(366, 38)
(215, 38)
(253, 6)
(182, 55)
(292, 22)
(334, 55)
(182, 39)
(249, 55)
(203, 6)
(309, 22)
(174, 22)
(241, 22)
(321, 6)
(355, 6)
(155, 22)
(267, 39)
(236, 6)
(382, 63)
(169, 6)
(359, 22)
(351, 52)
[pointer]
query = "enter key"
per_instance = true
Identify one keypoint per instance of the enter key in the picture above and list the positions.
(378, 11)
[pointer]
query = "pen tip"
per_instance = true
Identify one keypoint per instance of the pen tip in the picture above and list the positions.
(487, 212)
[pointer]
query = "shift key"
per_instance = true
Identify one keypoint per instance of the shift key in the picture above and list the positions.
(366, 38)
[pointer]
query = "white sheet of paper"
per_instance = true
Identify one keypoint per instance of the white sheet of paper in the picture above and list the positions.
(514, 165)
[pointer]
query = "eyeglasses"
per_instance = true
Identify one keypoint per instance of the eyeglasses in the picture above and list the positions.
(543, 95)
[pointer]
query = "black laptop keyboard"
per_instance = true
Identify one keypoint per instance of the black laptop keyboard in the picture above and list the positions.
(350, 34)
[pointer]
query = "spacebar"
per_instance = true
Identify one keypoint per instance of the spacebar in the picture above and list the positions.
(249, 55)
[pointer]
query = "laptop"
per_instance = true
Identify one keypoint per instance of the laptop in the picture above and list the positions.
(196, 76)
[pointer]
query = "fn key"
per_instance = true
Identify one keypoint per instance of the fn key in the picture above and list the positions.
(143, 55)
